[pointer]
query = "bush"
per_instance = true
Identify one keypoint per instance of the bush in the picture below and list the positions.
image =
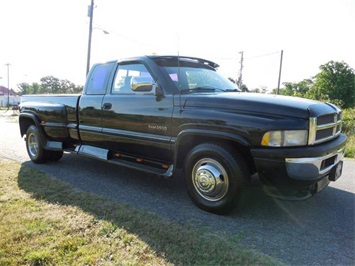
(349, 121)
(349, 130)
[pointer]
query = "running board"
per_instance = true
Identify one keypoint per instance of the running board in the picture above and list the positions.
(53, 145)
(59, 146)
(148, 166)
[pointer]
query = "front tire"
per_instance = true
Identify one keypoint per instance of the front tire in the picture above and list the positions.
(215, 177)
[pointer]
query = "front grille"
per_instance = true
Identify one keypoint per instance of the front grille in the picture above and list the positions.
(323, 128)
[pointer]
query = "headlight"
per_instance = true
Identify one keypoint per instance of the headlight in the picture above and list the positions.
(285, 138)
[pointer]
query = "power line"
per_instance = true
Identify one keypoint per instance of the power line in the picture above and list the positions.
(249, 57)
(262, 55)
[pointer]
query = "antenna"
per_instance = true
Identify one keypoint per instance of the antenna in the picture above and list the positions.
(178, 43)
(178, 70)
(178, 58)
(239, 81)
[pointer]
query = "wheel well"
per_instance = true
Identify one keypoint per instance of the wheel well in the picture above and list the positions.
(25, 123)
(189, 142)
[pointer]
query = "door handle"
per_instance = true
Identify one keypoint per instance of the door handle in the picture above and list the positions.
(107, 106)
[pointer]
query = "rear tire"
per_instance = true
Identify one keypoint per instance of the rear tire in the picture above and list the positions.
(215, 177)
(35, 149)
(34, 145)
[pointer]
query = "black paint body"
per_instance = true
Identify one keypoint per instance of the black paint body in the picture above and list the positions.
(162, 125)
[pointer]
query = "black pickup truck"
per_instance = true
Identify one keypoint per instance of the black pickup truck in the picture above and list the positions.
(158, 114)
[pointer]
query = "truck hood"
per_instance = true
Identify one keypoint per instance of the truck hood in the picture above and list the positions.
(259, 104)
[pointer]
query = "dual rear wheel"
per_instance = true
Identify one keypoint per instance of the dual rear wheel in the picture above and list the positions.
(35, 148)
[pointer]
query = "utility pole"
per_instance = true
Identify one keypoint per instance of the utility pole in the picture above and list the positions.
(8, 86)
(91, 15)
(278, 84)
(240, 78)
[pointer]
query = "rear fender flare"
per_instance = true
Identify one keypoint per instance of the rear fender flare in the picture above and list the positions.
(24, 125)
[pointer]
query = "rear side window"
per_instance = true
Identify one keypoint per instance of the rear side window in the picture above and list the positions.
(98, 80)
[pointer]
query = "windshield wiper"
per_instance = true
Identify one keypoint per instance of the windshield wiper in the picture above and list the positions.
(233, 90)
(201, 89)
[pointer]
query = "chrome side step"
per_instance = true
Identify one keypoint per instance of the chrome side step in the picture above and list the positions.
(141, 164)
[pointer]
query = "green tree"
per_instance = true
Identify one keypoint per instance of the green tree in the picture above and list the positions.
(49, 85)
(298, 89)
(242, 87)
(36, 87)
(335, 83)
(78, 89)
(25, 88)
(67, 86)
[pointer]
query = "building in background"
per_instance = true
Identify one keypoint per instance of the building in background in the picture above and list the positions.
(8, 97)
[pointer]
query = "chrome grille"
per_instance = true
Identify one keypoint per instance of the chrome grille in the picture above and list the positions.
(323, 128)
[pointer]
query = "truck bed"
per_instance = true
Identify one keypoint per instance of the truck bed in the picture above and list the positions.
(56, 113)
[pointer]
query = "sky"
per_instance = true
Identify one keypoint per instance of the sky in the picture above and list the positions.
(50, 37)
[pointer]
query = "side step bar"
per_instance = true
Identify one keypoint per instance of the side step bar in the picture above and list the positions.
(132, 162)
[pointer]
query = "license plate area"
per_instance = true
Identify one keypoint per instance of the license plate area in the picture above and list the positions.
(336, 171)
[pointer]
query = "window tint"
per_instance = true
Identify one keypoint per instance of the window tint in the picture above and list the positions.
(124, 75)
(98, 79)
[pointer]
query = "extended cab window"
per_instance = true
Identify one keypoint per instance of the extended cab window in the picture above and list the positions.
(99, 76)
(124, 75)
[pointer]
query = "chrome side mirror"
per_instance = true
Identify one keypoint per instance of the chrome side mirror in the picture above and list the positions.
(142, 84)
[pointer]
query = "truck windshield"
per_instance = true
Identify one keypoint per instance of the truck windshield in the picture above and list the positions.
(196, 77)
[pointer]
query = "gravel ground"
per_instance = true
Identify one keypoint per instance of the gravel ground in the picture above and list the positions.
(318, 231)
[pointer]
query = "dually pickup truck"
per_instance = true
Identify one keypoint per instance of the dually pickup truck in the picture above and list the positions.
(158, 114)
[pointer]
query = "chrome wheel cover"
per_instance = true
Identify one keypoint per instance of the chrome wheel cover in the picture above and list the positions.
(210, 179)
(33, 145)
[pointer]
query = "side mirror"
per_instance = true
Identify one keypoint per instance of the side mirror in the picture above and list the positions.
(158, 91)
(142, 84)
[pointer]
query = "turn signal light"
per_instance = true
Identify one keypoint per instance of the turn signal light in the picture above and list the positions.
(165, 166)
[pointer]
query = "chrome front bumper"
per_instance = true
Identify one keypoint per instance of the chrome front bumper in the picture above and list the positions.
(311, 168)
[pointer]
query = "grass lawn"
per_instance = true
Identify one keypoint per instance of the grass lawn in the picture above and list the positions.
(47, 222)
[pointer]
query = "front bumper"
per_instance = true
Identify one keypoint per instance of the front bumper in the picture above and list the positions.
(301, 166)
(312, 168)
